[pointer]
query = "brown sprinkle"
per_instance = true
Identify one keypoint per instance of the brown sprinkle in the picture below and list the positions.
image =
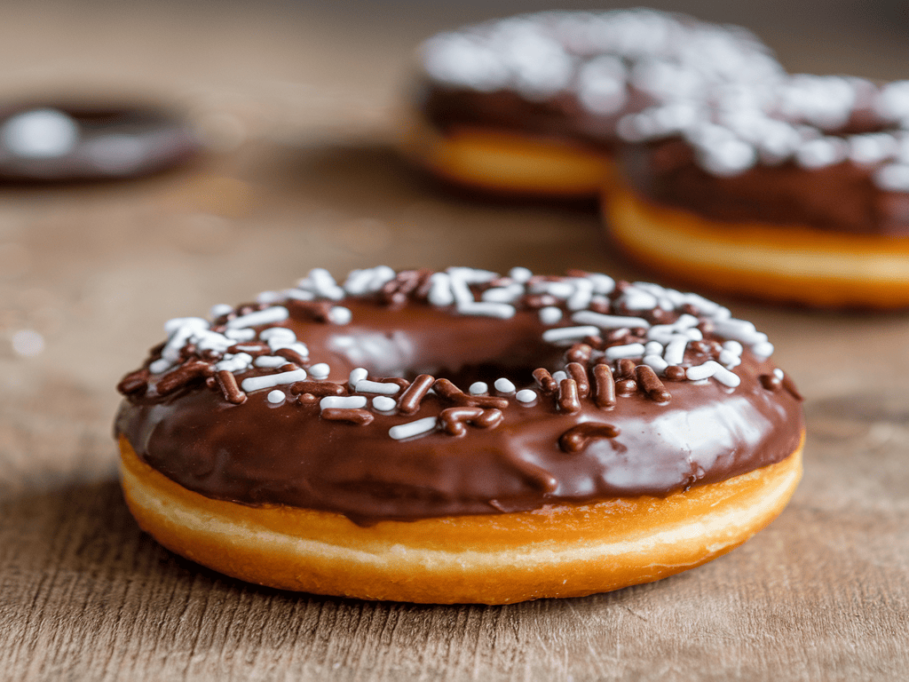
(770, 382)
(545, 381)
(604, 386)
(292, 355)
(357, 416)
(412, 397)
(227, 382)
(626, 387)
(626, 368)
(312, 310)
(579, 352)
(318, 388)
(577, 438)
(308, 399)
(577, 372)
(184, 374)
(568, 396)
(454, 419)
(651, 385)
(134, 383)
(448, 391)
(674, 373)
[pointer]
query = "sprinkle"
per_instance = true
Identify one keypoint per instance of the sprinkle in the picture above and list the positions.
(269, 361)
(550, 315)
(440, 293)
(653, 348)
(729, 359)
(727, 378)
(384, 403)
(579, 352)
(160, 365)
(320, 371)
(317, 388)
(183, 375)
(577, 372)
(675, 350)
(134, 383)
(705, 371)
(626, 368)
(240, 334)
(508, 294)
(251, 384)
(577, 438)
(545, 381)
(626, 387)
(356, 416)
(559, 376)
(503, 311)
(297, 353)
(356, 376)
(580, 299)
(340, 315)
(520, 275)
(526, 396)
(674, 373)
(413, 396)
(770, 382)
(568, 396)
(658, 364)
(653, 388)
(568, 334)
(345, 403)
(604, 386)
(733, 347)
(260, 317)
(366, 386)
(452, 419)
(478, 388)
(608, 321)
(762, 350)
(414, 428)
(504, 386)
(451, 393)
(220, 310)
(276, 396)
(778, 373)
(631, 350)
(228, 384)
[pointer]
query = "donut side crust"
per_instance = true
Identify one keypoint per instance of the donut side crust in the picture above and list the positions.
(564, 551)
(792, 263)
(506, 162)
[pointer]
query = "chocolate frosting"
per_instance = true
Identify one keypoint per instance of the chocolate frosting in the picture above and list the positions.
(839, 198)
(261, 453)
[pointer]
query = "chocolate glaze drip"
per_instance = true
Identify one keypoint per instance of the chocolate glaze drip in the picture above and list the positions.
(259, 453)
(837, 198)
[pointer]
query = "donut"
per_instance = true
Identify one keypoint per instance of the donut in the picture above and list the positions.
(77, 142)
(459, 436)
(798, 193)
(528, 105)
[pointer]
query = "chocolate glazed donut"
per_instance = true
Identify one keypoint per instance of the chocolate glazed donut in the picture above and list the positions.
(459, 436)
(529, 104)
(798, 193)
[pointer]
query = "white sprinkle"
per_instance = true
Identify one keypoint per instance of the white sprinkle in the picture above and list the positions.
(558, 289)
(440, 290)
(415, 428)
(894, 178)
(340, 315)
(734, 328)
(28, 343)
(778, 373)
(184, 325)
(356, 376)
(675, 350)
(609, 321)
(324, 284)
(269, 297)
(234, 363)
(727, 378)
(270, 361)
(40, 134)
(275, 333)
(559, 376)
(638, 300)
(729, 359)
(487, 309)
(568, 334)
(508, 294)
(251, 384)
(550, 315)
(299, 295)
(705, 371)
(580, 299)
(357, 282)
(629, 350)
(602, 284)
(267, 316)
(733, 347)
(503, 385)
(160, 365)
(520, 275)
(354, 402)
(241, 334)
(478, 388)
(220, 309)
(653, 348)
(526, 396)
(319, 371)
(762, 350)
(383, 403)
(276, 397)
(658, 364)
(366, 386)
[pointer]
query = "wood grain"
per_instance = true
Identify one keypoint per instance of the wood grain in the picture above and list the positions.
(822, 594)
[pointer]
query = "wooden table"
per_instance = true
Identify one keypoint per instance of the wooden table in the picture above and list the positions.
(305, 178)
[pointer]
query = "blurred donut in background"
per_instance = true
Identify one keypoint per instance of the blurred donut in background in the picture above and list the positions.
(58, 143)
(528, 105)
(797, 193)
